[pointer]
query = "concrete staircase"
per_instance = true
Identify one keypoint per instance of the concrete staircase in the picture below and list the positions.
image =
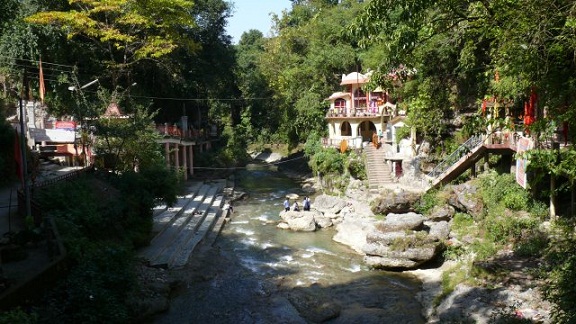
(377, 171)
(181, 228)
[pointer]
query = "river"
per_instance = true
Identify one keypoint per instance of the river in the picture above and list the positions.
(257, 273)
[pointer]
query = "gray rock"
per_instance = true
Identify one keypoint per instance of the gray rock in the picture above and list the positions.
(283, 225)
(352, 232)
(466, 199)
(299, 221)
(385, 237)
(420, 254)
(395, 202)
(328, 204)
(379, 262)
(439, 230)
(442, 213)
(399, 222)
(322, 221)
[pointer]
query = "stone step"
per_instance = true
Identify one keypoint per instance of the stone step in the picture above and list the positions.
(164, 215)
(174, 243)
(377, 171)
(165, 237)
(181, 258)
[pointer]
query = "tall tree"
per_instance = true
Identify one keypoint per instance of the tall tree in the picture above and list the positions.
(303, 63)
(126, 31)
(260, 118)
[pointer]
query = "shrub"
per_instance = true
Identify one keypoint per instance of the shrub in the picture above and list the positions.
(531, 244)
(453, 252)
(484, 249)
(561, 266)
(503, 189)
(462, 223)
(356, 166)
(503, 226)
(428, 201)
(18, 316)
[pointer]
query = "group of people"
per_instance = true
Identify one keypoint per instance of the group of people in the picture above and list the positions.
(295, 207)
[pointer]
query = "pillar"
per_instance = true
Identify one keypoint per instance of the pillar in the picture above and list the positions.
(177, 157)
(184, 161)
(167, 154)
(191, 159)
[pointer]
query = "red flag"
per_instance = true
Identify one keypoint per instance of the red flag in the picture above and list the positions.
(533, 102)
(42, 87)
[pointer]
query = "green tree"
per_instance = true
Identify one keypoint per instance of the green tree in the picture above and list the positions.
(126, 31)
(259, 117)
(304, 62)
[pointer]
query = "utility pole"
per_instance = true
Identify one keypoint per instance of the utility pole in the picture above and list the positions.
(24, 92)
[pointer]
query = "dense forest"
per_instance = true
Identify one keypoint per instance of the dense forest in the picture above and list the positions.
(160, 60)
(439, 59)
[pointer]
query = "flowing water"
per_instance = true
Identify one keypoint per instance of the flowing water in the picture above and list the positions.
(257, 273)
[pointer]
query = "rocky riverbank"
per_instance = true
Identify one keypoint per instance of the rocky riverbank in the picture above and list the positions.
(514, 295)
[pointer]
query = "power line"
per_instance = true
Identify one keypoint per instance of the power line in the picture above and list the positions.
(35, 62)
(201, 99)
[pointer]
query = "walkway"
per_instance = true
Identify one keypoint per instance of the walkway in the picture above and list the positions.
(196, 219)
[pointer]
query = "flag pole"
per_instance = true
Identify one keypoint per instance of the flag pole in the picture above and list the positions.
(23, 149)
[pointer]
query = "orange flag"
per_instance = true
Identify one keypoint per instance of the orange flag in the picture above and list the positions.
(42, 87)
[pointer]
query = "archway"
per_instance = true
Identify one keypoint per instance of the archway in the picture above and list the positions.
(366, 129)
(346, 129)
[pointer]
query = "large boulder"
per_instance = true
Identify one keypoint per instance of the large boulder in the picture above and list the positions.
(465, 197)
(329, 204)
(439, 230)
(399, 222)
(403, 241)
(395, 202)
(304, 221)
(389, 257)
(352, 232)
(298, 221)
(421, 253)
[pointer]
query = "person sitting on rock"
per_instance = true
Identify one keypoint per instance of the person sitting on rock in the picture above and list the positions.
(295, 207)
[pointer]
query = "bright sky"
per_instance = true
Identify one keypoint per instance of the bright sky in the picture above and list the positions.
(253, 14)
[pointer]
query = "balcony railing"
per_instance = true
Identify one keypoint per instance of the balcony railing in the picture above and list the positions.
(353, 142)
(359, 112)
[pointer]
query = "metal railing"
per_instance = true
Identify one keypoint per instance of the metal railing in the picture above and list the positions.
(472, 143)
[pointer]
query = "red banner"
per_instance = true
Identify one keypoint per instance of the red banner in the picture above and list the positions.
(65, 125)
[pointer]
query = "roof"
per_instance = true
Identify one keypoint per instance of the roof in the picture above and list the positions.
(354, 78)
(337, 95)
(113, 110)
